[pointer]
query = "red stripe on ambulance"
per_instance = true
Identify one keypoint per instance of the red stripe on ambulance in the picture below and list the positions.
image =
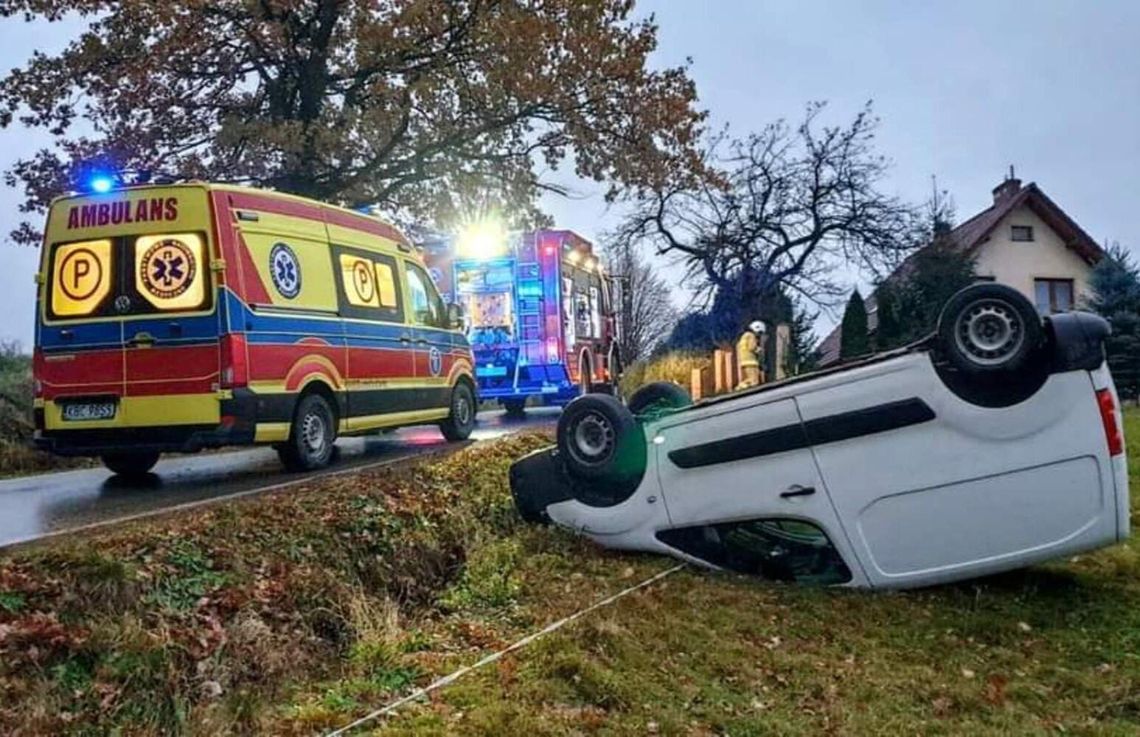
(148, 370)
(275, 361)
(102, 373)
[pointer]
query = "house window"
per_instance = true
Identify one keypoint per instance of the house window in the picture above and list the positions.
(1053, 295)
(1021, 233)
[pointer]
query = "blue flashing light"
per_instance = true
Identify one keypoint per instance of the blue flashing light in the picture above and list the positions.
(101, 184)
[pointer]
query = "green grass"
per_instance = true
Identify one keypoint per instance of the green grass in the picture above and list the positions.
(295, 613)
(1054, 649)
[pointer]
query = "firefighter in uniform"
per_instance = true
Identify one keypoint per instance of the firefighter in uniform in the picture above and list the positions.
(749, 351)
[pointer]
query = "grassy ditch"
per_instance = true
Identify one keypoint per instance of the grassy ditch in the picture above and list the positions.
(294, 613)
(283, 614)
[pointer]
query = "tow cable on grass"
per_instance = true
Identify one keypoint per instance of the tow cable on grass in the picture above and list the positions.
(517, 645)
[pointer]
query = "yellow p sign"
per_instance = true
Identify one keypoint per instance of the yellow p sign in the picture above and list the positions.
(359, 280)
(81, 277)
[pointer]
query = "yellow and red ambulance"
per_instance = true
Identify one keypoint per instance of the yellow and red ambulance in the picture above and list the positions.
(189, 316)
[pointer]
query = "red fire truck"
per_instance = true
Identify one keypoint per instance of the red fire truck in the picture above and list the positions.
(538, 312)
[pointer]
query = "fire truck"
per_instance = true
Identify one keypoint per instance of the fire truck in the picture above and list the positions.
(538, 311)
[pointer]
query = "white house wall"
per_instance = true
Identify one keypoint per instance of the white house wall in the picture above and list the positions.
(1019, 263)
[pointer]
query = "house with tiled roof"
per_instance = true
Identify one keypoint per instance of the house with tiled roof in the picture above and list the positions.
(1024, 239)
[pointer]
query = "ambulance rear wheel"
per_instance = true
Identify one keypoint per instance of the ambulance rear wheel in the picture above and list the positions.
(461, 421)
(311, 437)
(131, 465)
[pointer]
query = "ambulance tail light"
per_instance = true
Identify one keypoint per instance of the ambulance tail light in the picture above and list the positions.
(235, 370)
(1112, 431)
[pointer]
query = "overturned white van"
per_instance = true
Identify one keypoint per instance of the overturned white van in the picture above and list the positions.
(994, 444)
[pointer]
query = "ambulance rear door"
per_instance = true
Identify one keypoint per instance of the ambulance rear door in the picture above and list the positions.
(130, 294)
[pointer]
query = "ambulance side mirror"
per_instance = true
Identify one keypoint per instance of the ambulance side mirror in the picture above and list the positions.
(454, 316)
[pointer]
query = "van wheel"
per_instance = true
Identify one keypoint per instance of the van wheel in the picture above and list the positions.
(461, 421)
(311, 436)
(988, 329)
(657, 397)
(130, 465)
(600, 440)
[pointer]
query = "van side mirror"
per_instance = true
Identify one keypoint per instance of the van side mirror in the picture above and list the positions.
(454, 316)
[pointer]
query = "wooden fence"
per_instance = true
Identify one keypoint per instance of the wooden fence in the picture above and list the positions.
(724, 374)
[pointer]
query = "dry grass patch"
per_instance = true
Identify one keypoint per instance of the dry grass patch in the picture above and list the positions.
(225, 619)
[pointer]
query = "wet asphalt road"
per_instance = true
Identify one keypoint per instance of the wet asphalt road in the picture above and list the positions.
(33, 506)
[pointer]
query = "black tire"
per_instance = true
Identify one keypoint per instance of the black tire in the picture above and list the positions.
(659, 396)
(600, 440)
(131, 464)
(312, 435)
(514, 407)
(988, 329)
(461, 421)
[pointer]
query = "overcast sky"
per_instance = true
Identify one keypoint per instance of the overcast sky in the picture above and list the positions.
(964, 90)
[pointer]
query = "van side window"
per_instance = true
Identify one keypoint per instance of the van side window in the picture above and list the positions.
(427, 307)
(386, 286)
(367, 287)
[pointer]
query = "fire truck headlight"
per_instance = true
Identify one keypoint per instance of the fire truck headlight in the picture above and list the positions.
(483, 239)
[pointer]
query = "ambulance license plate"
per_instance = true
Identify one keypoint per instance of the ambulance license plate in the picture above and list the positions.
(89, 411)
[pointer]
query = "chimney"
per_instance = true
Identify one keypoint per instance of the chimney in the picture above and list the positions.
(1008, 188)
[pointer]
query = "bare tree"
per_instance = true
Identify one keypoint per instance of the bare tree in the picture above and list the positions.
(646, 313)
(789, 207)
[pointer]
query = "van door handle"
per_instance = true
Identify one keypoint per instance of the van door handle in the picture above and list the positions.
(141, 339)
(66, 334)
(796, 490)
(175, 328)
(421, 341)
(405, 339)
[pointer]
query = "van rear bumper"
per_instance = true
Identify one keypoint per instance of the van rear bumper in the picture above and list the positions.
(238, 427)
(177, 439)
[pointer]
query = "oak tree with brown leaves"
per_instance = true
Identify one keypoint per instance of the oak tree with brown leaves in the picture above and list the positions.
(406, 104)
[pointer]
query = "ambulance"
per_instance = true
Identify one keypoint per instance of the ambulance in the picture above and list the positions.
(172, 318)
